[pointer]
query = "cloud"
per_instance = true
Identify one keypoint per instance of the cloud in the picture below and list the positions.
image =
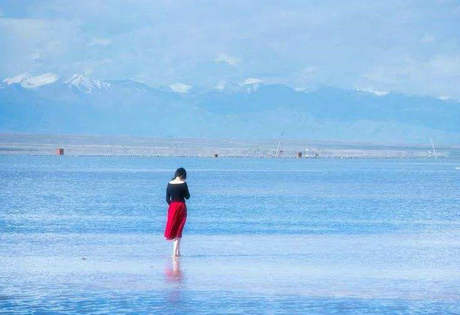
(373, 91)
(28, 81)
(448, 65)
(220, 85)
(412, 75)
(251, 81)
(100, 42)
(300, 89)
(224, 58)
(35, 56)
(427, 38)
(297, 43)
(180, 87)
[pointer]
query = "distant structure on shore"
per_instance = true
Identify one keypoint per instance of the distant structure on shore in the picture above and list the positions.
(278, 150)
(432, 153)
(213, 148)
(311, 153)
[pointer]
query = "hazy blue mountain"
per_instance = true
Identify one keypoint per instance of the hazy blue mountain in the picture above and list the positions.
(84, 106)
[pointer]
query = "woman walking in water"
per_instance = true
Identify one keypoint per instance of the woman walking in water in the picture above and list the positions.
(176, 193)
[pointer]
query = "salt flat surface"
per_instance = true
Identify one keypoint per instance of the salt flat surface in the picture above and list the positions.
(84, 234)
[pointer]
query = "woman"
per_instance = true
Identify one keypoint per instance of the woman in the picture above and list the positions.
(176, 193)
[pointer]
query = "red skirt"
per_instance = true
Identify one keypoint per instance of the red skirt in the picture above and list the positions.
(177, 214)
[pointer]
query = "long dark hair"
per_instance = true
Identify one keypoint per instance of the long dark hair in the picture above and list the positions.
(180, 172)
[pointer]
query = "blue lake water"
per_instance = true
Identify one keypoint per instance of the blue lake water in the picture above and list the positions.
(84, 234)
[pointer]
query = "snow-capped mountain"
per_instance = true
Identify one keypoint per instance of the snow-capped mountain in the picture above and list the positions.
(85, 84)
(29, 82)
(46, 104)
(77, 81)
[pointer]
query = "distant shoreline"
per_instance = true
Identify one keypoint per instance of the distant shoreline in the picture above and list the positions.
(16, 144)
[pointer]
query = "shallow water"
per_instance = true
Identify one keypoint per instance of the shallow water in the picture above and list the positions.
(84, 234)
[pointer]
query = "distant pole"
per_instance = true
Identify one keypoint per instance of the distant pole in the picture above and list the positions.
(278, 149)
(433, 149)
(277, 153)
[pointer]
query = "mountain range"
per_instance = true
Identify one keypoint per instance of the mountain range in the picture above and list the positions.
(81, 105)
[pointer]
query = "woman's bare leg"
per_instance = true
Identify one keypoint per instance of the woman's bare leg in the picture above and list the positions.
(178, 247)
(174, 254)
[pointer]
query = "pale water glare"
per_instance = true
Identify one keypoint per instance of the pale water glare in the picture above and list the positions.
(84, 234)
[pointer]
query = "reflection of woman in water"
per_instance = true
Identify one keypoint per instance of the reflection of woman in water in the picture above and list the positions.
(174, 278)
(176, 193)
(174, 273)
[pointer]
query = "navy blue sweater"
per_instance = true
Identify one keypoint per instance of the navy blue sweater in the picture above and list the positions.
(177, 192)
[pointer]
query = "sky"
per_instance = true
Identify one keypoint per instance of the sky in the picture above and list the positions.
(410, 47)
